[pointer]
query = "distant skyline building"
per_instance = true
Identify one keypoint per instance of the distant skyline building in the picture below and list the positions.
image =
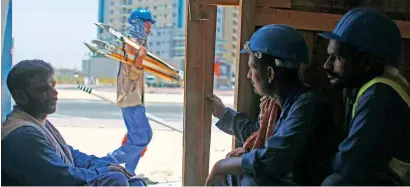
(116, 13)
(178, 44)
(167, 37)
(230, 32)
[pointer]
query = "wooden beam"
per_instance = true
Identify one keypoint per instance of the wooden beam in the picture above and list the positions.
(261, 3)
(274, 3)
(309, 37)
(200, 55)
(223, 2)
(243, 87)
(309, 20)
(197, 10)
(210, 40)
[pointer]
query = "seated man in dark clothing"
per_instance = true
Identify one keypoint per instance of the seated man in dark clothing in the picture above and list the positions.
(305, 136)
(33, 151)
(364, 51)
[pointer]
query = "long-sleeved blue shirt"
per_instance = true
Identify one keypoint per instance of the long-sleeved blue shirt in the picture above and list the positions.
(237, 125)
(29, 159)
(379, 131)
(299, 152)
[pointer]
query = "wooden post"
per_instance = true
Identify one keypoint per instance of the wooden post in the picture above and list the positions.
(244, 91)
(199, 62)
(197, 10)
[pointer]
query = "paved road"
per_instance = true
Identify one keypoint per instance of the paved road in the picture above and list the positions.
(99, 113)
(103, 114)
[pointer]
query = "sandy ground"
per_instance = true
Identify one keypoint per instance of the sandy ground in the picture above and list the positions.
(163, 160)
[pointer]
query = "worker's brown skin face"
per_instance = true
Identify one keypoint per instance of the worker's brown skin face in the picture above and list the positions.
(39, 98)
(338, 66)
(147, 26)
(259, 78)
(254, 75)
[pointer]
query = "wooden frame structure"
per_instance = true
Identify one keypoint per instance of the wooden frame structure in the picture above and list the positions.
(200, 47)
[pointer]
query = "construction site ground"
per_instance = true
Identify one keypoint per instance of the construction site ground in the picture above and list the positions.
(163, 160)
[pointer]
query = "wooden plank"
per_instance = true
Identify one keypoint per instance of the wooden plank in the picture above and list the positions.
(210, 40)
(262, 3)
(243, 87)
(396, 6)
(197, 10)
(341, 6)
(223, 2)
(274, 3)
(309, 20)
(200, 49)
(308, 37)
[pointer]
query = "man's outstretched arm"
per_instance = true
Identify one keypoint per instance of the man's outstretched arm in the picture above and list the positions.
(232, 122)
(237, 124)
(87, 161)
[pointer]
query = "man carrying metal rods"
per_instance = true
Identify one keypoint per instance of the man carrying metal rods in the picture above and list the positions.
(130, 89)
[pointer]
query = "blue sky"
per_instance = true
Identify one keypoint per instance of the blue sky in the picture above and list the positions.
(53, 30)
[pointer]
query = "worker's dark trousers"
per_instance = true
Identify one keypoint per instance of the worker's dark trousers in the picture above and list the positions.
(337, 180)
(139, 134)
(115, 179)
(246, 180)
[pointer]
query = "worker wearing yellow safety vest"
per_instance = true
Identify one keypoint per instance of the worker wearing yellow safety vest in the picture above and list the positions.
(364, 51)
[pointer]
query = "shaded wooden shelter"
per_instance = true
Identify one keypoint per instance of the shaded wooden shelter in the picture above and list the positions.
(308, 16)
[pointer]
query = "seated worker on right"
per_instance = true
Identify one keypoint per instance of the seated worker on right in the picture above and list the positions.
(364, 52)
(295, 151)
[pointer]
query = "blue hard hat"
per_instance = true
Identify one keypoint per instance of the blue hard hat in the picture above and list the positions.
(141, 13)
(368, 30)
(280, 41)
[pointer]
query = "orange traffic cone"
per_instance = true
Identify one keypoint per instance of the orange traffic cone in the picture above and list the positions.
(124, 140)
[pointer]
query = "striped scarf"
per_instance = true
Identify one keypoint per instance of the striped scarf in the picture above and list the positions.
(137, 32)
(270, 112)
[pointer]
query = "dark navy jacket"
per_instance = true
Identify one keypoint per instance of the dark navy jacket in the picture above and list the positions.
(27, 158)
(379, 131)
(305, 139)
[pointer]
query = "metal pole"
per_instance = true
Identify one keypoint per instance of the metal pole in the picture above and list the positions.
(149, 116)
(6, 54)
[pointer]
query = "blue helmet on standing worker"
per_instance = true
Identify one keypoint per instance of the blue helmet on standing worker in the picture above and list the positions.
(143, 14)
(368, 30)
(280, 41)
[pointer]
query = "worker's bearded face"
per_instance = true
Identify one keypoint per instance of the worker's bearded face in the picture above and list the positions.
(339, 67)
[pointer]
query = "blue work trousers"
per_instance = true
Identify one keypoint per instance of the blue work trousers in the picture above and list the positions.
(139, 134)
(115, 179)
